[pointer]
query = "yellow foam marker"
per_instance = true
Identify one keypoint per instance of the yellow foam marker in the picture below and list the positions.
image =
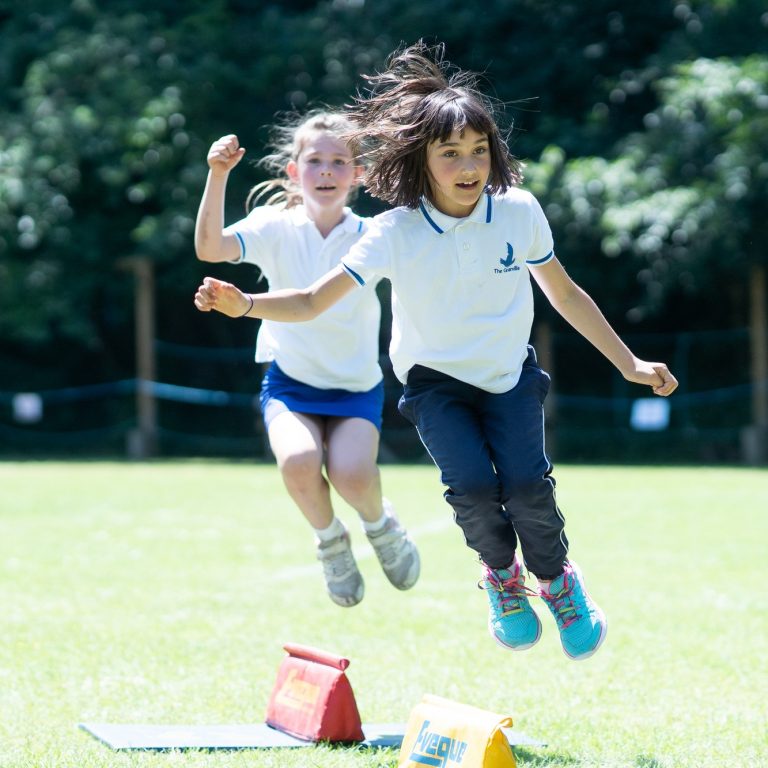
(446, 734)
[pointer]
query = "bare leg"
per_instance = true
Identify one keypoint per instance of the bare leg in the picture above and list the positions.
(297, 442)
(352, 448)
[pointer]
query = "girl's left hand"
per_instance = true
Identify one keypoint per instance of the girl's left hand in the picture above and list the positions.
(656, 375)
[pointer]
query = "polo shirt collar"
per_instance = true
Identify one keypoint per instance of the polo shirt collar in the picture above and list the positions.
(441, 222)
(350, 223)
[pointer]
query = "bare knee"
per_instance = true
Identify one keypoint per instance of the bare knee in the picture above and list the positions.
(354, 481)
(300, 468)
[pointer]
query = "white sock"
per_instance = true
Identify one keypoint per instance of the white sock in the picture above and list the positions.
(545, 585)
(334, 530)
(377, 525)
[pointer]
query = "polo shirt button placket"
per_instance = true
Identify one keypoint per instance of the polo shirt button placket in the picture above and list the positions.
(468, 259)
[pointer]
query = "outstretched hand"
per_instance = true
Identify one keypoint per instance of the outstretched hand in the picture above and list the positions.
(223, 297)
(656, 375)
(225, 153)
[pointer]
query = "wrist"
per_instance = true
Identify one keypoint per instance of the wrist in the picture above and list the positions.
(628, 366)
(250, 304)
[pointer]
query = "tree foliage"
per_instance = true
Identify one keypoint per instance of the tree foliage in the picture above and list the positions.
(643, 125)
(681, 202)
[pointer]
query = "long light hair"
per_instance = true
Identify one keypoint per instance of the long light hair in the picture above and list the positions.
(287, 138)
(419, 98)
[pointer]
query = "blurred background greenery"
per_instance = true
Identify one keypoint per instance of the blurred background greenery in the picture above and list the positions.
(643, 126)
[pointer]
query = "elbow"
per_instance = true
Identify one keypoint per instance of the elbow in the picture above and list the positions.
(309, 312)
(200, 251)
(208, 247)
(204, 253)
(562, 301)
(310, 309)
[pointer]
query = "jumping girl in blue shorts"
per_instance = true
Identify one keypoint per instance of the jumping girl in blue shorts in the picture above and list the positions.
(322, 394)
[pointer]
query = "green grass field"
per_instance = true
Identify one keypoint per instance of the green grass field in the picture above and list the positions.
(162, 593)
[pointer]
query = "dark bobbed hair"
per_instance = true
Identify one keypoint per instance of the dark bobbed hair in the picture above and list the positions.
(420, 98)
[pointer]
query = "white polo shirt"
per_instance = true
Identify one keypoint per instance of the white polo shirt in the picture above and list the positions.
(462, 302)
(340, 348)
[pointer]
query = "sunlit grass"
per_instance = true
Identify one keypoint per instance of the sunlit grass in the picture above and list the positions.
(162, 593)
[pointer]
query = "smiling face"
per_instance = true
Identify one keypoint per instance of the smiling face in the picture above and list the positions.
(458, 170)
(325, 170)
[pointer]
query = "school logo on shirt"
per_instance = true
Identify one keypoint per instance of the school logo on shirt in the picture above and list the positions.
(508, 263)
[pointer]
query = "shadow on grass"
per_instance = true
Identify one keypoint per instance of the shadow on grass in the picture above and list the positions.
(643, 761)
(525, 758)
(528, 758)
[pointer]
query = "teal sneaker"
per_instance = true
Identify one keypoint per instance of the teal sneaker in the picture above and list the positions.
(582, 624)
(511, 620)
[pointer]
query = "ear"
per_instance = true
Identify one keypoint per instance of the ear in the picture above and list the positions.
(292, 169)
(359, 173)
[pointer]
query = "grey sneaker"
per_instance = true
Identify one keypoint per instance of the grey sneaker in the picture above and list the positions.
(397, 554)
(342, 578)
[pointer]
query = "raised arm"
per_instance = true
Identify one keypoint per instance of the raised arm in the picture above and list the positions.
(288, 306)
(210, 244)
(577, 307)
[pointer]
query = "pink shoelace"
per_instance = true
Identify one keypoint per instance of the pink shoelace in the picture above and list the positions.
(562, 602)
(512, 591)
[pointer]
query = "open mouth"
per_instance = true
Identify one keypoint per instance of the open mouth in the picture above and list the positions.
(325, 188)
(467, 184)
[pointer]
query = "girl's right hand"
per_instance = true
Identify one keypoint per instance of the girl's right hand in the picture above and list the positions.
(225, 154)
(223, 297)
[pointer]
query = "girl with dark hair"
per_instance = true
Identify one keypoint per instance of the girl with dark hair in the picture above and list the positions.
(460, 250)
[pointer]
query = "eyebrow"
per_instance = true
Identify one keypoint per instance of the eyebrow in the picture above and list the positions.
(456, 143)
(313, 152)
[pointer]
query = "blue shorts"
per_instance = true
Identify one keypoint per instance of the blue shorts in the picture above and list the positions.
(280, 393)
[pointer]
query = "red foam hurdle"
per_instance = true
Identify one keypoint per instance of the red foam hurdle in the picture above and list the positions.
(312, 697)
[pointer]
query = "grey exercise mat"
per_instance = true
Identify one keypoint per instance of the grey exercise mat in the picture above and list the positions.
(253, 736)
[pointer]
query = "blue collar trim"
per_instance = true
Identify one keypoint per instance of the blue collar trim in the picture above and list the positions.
(476, 215)
(431, 221)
